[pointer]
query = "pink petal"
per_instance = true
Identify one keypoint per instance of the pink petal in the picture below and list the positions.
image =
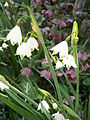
(46, 74)
(79, 55)
(72, 98)
(27, 70)
(84, 57)
(73, 76)
(59, 74)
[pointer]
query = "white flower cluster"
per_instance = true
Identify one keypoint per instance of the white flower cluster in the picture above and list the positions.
(24, 48)
(64, 57)
(43, 105)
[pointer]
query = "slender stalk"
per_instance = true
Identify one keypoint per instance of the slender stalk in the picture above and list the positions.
(77, 79)
(74, 40)
(36, 28)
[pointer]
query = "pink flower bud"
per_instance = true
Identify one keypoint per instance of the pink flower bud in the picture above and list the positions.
(49, 13)
(44, 62)
(71, 73)
(46, 74)
(85, 67)
(79, 55)
(27, 71)
(43, 11)
(69, 21)
(59, 74)
(84, 57)
(61, 24)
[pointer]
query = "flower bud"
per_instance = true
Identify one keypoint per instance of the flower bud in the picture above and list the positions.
(55, 106)
(74, 36)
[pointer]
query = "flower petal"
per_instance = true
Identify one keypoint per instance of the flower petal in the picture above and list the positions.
(58, 64)
(15, 35)
(61, 48)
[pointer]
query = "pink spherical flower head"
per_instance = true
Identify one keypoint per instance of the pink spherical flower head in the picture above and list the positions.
(26, 71)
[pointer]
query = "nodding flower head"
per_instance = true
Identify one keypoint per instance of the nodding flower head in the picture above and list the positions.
(15, 35)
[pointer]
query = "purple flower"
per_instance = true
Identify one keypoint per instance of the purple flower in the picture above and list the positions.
(81, 113)
(85, 67)
(44, 62)
(71, 73)
(27, 71)
(54, 1)
(82, 56)
(39, 2)
(46, 74)
(69, 21)
(65, 5)
(59, 74)
(46, 2)
(43, 11)
(56, 37)
(61, 24)
(49, 13)
(79, 55)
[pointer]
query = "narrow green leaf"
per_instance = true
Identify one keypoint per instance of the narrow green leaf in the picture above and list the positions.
(22, 102)
(17, 108)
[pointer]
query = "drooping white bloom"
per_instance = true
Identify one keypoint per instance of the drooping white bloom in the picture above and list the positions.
(26, 48)
(15, 35)
(55, 106)
(4, 45)
(32, 43)
(43, 105)
(1, 49)
(61, 48)
(23, 50)
(59, 64)
(3, 86)
(58, 116)
(69, 61)
(6, 4)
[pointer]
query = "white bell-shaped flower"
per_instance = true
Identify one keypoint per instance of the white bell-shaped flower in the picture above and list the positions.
(32, 43)
(61, 48)
(23, 50)
(6, 4)
(69, 61)
(58, 116)
(3, 86)
(59, 64)
(43, 105)
(4, 45)
(15, 35)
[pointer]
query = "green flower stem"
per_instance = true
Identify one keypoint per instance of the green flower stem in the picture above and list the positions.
(77, 79)
(36, 29)
(74, 40)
